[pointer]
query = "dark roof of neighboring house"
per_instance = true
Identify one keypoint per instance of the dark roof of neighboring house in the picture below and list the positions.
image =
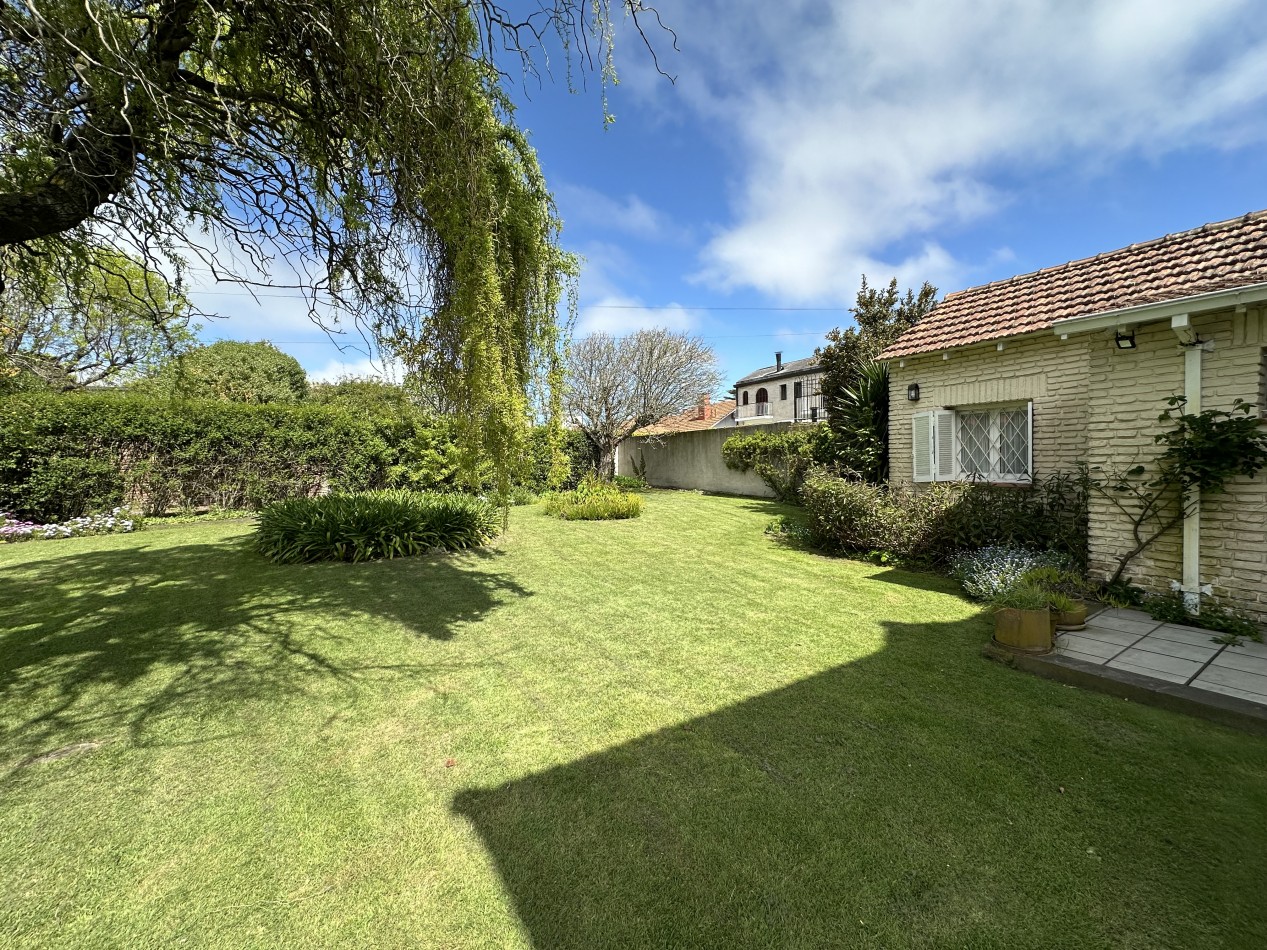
(791, 368)
(1212, 257)
(690, 420)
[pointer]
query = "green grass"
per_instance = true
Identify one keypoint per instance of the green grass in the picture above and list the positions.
(664, 732)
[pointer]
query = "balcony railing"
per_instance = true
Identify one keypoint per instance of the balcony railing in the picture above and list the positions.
(809, 408)
(754, 411)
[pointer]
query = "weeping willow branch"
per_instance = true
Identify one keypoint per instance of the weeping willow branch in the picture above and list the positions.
(365, 146)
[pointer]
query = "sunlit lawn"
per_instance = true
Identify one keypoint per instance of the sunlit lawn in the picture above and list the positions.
(667, 732)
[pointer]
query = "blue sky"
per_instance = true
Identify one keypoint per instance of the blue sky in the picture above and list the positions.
(806, 143)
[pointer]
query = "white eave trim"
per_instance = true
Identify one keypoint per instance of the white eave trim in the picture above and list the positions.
(1163, 310)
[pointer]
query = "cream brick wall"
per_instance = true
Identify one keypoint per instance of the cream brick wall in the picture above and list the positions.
(1098, 404)
(1129, 389)
(1041, 367)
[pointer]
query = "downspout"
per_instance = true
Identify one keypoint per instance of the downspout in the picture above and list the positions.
(1193, 348)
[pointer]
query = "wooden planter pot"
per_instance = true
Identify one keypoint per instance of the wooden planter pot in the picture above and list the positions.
(1075, 619)
(1025, 631)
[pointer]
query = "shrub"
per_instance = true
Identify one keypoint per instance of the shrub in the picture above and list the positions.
(986, 573)
(1171, 608)
(371, 525)
(782, 459)
(594, 500)
(629, 483)
(937, 522)
(116, 521)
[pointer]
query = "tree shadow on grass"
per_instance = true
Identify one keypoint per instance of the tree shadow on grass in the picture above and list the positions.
(880, 803)
(122, 637)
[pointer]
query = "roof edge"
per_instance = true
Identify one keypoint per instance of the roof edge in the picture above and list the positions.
(1161, 309)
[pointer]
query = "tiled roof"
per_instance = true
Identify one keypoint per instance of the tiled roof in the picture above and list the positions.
(1213, 257)
(789, 369)
(690, 420)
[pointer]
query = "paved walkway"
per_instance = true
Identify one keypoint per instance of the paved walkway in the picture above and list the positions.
(1132, 641)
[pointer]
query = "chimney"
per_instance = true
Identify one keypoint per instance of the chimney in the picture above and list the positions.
(704, 401)
(778, 360)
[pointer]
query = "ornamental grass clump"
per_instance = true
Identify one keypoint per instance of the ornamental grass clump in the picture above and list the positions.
(373, 525)
(594, 500)
(988, 572)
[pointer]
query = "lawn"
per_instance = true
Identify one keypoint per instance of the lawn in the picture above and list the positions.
(665, 732)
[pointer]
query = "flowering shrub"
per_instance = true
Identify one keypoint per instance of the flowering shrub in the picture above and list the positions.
(118, 521)
(991, 571)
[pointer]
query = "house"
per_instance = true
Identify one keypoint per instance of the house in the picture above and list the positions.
(706, 414)
(1016, 380)
(784, 392)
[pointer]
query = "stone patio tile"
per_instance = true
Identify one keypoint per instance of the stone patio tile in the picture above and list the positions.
(1159, 663)
(1137, 627)
(1250, 648)
(1125, 614)
(1189, 651)
(1155, 674)
(1106, 635)
(1239, 660)
(1252, 683)
(1100, 649)
(1173, 631)
(1230, 691)
(1084, 657)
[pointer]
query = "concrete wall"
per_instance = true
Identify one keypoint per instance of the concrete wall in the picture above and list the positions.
(1098, 404)
(691, 460)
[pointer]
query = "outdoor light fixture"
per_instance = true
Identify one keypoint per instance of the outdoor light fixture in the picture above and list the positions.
(912, 392)
(1124, 341)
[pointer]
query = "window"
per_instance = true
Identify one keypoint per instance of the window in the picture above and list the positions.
(763, 402)
(992, 444)
(762, 396)
(745, 397)
(783, 390)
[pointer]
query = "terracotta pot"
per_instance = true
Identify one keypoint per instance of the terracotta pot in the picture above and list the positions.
(1025, 631)
(1075, 619)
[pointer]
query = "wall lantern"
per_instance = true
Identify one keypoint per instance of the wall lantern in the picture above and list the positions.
(1124, 341)
(912, 392)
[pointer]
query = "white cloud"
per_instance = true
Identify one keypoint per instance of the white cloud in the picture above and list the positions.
(365, 367)
(618, 315)
(867, 130)
(629, 215)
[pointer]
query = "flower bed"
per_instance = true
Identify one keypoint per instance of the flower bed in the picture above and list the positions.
(117, 521)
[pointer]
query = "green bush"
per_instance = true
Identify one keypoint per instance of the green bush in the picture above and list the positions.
(61, 488)
(629, 483)
(593, 500)
(373, 525)
(781, 459)
(935, 522)
(1022, 597)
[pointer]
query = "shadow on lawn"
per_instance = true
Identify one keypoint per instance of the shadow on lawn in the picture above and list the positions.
(88, 633)
(880, 803)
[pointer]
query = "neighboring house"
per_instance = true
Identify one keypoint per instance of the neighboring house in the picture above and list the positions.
(784, 392)
(705, 415)
(1016, 380)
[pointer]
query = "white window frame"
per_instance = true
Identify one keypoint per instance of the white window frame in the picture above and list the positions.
(935, 445)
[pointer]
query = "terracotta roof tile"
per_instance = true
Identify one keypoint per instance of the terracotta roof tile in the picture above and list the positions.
(1212, 257)
(690, 421)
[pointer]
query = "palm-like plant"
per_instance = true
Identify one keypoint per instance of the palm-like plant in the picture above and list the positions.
(860, 419)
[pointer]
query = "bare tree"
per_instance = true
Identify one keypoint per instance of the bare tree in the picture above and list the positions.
(617, 385)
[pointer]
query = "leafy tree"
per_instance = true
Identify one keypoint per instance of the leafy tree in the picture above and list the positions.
(371, 397)
(233, 372)
(367, 143)
(854, 387)
(881, 317)
(104, 321)
(617, 385)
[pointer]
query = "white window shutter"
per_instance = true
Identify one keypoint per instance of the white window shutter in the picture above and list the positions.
(922, 445)
(1029, 440)
(945, 450)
